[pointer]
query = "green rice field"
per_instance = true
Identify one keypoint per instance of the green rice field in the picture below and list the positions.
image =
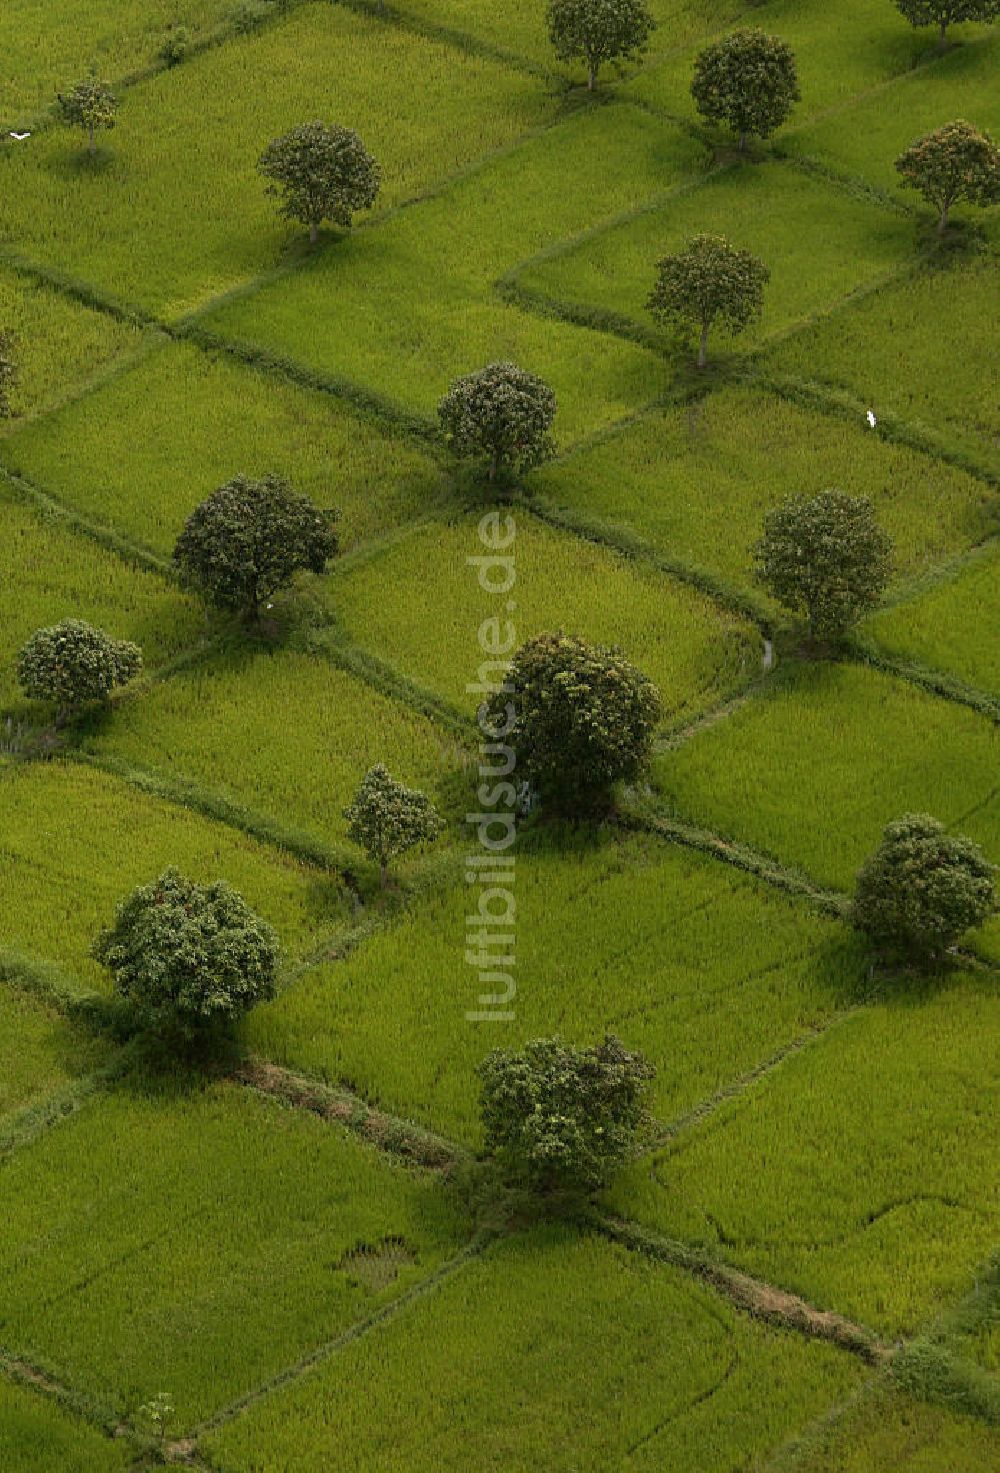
(707, 970)
(298, 1242)
(676, 1374)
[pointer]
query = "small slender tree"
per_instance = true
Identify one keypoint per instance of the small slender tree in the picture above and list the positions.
(748, 81)
(599, 31)
(90, 105)
(827, 557)
(923, 888)
(386, 819)
(501, 414)
(191, 958)
(583, 719)
(8, 373)
(562, 1119)
(320, 172)
(249, 539)
(956, 162)
(709, 282)
(945, 13)
(73, 663)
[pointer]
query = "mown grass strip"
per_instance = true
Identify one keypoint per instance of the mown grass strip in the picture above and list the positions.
(761, 1300)
(603, 534)
(383, 678)
(186, 794)
(79, 290)
(386, 1132)
(41, 1381)
(123, 547)
(323, 1353)
(741, 856)
(932, 1372)
(708, 1107)
(396, 416)
(842, 403)
(461, 40)
(935, 682)
(27, 1125)
(47, 981)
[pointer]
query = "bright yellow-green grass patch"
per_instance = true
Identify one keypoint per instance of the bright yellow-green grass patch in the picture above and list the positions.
(841, 51)
(813, 769)
(173, 211)
(954, 626)
(196, 1239)
(35, 1433)
(73, 842)
(696, 481)
(866, 138)
(419, 605)
(703, 968)
(49, 47)
(405, 308)
(40, 1051)
(49, 573)
(861, 1173)
(152, 443)
(57, 343)
(889, 1429)
(915, 349)
(520, 26)
(819, 243)
(551, 1351)
(279, 732)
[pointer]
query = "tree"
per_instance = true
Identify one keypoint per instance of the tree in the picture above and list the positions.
(825, 556)
(583, 719)
(502, 413)
(8, 372)
(386, 818)
(709, 281)
(90, 105)
(72, 663)
(945, 13)
(748, 81)
(923, 888)
(560, 1118)
(190, 958)
(596, 31)
(953, 163)
(249, 539)
(320, 173)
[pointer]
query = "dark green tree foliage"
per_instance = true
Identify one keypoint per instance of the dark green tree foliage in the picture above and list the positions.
(249, 539)
(584, 719)
(706, 284)
(90, 105)
(559, 1118)
(320, 173)
(386, 819)
(72, 663)
(500, 414)
(597, 31)
(923, 888)
(945, 13)
(826, 557)
(191, 958)
(747, 81)
(956, 162)
(8, 373)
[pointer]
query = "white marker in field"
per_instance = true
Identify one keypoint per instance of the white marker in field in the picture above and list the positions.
(20, 136)
(872, 421)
